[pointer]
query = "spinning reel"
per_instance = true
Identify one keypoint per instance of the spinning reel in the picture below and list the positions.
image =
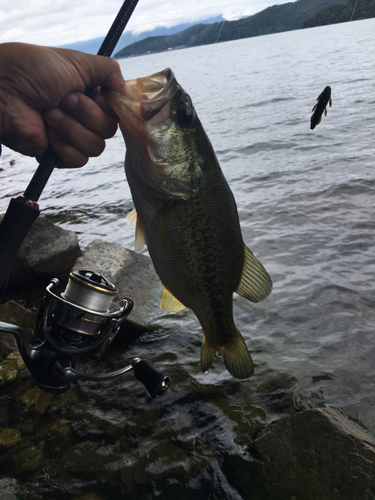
(82, 320)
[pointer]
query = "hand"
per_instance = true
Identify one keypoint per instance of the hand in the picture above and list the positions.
(42, 101)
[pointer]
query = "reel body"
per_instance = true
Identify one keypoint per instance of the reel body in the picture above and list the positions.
(82, 320)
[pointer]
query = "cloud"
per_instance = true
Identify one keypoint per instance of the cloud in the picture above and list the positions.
(60, 22)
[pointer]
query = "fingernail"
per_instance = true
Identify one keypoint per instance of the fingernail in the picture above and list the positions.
(70, 100)
(53, 115)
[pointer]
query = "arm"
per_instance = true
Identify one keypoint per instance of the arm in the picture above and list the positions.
(42, 101)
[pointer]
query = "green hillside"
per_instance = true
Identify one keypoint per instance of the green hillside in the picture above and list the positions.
(284, 17)
(341, 12)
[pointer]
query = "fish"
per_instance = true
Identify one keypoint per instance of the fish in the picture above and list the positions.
(187, 215)
(320, 107)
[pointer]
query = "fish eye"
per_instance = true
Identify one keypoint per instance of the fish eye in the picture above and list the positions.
(185, 116)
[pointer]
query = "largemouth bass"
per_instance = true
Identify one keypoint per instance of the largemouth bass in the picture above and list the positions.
(187, 215)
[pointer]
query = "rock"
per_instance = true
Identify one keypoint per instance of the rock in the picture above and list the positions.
(9, 437)
(30, 457)
(89, 496)
(14, 490)
(7, 344)
(132, 273)
(12, 367)
(13, 313)
(48, 251)
(37, 399)
(315, 454)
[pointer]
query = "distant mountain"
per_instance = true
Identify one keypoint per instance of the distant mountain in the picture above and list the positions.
(284, 17)
(339, 13)
(92, 46)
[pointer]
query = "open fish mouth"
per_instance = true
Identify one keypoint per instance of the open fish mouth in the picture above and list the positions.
(155, 114)
(144, 97)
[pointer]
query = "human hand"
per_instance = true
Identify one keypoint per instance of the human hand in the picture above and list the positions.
(42, 101)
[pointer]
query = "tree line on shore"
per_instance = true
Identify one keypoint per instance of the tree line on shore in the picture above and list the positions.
(277, 18)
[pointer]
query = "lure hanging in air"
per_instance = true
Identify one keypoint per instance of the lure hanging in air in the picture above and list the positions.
(320, 107)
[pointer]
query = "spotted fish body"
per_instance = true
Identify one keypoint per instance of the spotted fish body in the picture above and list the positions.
(321, 107)
(187, 215)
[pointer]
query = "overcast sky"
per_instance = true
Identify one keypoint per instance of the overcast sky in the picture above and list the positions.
(58, 22)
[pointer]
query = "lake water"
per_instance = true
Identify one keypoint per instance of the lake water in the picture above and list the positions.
(306, 204)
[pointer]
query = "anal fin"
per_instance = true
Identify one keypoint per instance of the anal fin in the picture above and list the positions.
(169, 302)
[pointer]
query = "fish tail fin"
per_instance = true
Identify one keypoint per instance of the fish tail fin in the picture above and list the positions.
(236, 356)
(207, 355)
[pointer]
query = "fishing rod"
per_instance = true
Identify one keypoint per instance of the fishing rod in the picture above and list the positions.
(24, 210)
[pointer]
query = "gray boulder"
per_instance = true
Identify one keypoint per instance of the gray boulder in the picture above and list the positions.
(48, 251)
(315, 454)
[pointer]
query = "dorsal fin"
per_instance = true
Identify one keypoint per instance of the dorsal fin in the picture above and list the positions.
(169, 302)
(255, 284)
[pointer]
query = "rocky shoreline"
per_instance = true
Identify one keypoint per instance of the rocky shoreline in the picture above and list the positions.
(87, 444)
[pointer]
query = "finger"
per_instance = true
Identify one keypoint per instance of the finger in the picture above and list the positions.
(69, 156)
(73, 133)
(87, 112)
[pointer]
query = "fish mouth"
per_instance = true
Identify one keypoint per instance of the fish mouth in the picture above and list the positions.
(144, 97)
(147, 121)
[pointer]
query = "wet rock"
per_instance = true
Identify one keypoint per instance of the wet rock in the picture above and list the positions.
(7, 344)
(153, 462)
(12, 368)
(132, 273)
(30, 458)
(9, 437)
(13, 313)
(315, 454)
(4, 415)
(56, 435)
(66, 399)
(48, 251)
(37, 399)
(13, 490)
(89, 460)
(89, 496)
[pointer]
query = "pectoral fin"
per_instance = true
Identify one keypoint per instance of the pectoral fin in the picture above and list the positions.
(169, 302)
(135, 222)
(131, 219)
(255, 284)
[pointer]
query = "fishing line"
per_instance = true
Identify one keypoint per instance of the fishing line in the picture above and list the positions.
(222, 26)
(353, 10)
(208, 60)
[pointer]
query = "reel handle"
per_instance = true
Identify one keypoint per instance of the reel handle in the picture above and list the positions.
(155, 381)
